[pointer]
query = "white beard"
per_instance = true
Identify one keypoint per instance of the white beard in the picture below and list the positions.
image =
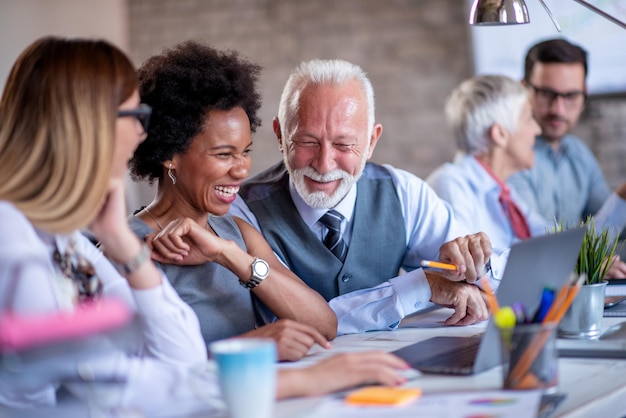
(321, 200)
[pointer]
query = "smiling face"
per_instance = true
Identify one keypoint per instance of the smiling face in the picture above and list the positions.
(128, 135)
(210, 172)
(329, 147)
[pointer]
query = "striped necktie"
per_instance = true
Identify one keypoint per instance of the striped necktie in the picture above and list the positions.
(334, 241)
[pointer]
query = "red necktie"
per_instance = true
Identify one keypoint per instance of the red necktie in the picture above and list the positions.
(512, 211)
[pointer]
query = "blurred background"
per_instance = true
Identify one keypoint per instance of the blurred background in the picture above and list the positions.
(414, 51)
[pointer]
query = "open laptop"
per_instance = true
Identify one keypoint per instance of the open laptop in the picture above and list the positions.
(533, 264)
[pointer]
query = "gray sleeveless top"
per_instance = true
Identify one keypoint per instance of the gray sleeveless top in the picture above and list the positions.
(378, 242)
(224, 307)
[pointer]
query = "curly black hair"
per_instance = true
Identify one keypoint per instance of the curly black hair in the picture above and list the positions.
(183, 84)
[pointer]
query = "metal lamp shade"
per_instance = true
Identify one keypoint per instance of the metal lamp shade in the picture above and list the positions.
(498, 12)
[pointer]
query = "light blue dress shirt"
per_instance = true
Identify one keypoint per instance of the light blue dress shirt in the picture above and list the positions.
(383, 306)
(474, 195)
(567, 185)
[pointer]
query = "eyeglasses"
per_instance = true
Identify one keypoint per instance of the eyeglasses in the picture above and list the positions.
(141, 113)
(571, 99)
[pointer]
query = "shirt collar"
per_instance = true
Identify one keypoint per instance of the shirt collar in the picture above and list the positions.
(311, 215)
(503, 187)
(478, 176)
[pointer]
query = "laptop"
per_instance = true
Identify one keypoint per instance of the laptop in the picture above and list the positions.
(532, 264)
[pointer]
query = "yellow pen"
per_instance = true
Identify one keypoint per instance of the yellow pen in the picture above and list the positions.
(438, 265)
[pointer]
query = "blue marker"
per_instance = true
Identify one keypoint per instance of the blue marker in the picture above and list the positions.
(547, 297)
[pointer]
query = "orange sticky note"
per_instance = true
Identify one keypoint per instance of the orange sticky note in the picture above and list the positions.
(383, 395)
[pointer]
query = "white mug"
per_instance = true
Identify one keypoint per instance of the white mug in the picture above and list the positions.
(247, 375)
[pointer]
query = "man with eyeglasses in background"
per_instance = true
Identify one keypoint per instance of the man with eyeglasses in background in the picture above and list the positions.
(566, 182)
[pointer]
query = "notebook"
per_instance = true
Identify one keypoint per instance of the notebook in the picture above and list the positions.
(532, 265)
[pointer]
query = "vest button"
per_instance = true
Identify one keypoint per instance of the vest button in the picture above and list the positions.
(346, 278)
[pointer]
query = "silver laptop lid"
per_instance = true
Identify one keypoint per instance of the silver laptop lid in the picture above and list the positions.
(532, 265)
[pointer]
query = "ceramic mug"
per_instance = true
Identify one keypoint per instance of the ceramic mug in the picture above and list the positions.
(247, 375)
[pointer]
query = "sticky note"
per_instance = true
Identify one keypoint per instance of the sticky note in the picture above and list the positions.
(383, 395)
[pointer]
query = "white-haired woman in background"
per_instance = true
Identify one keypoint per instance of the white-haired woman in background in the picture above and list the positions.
(492, 122)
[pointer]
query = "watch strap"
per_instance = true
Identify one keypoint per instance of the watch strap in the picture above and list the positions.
(255, 279)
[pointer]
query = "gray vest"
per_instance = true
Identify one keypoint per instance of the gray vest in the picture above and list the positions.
(224, 307)
(378, 242)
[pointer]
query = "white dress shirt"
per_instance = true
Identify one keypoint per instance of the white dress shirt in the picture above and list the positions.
(425, 217)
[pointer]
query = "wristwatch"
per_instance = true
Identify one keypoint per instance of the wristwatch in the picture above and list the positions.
(260, 270)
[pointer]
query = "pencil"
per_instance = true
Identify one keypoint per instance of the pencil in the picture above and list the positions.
(563, 301)
(492, 302)
(438, 265)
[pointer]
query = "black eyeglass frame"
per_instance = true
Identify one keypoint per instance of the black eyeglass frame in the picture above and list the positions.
(141, 113)
(551, 95)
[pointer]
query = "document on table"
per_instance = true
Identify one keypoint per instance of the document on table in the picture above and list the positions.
(503, 404)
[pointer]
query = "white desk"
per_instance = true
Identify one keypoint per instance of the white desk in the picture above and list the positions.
(594, 387)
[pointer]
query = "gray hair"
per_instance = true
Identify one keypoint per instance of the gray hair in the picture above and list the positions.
(480, 102)
(320, 72)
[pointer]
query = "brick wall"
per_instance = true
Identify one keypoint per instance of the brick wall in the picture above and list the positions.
(415, 52)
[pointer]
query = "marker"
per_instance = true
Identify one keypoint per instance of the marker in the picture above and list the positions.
(438, 265)
(547, 298)
(520, 313)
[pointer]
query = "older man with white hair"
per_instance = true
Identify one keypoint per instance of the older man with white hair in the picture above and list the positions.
(348, 227)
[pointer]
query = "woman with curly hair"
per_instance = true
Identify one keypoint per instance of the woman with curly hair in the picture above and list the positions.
(198, 147)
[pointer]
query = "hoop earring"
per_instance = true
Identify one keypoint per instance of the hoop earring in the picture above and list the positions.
(169, 173)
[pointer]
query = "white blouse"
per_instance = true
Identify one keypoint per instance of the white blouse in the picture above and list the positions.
(152, 371)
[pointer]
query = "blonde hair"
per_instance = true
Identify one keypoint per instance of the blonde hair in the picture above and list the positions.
(57, 129)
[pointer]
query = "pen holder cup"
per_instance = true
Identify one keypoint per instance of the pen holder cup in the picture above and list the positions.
(530, 357)
(583, 319)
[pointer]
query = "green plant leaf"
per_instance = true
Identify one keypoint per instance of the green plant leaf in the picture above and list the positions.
(596, 252)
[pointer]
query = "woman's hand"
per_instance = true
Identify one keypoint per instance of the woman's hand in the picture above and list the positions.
(293, 339)
(110, 226)
(184, 242)
(340, 372)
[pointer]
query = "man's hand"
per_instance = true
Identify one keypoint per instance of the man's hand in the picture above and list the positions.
(467, 300)
(293, 339)
(469, 253)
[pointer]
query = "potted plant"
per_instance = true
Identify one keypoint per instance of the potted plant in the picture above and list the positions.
(583, 319)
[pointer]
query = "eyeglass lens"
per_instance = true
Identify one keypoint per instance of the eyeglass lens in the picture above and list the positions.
(141, 113)
(548, 96)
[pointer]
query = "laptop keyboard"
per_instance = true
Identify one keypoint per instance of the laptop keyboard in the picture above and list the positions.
(458, 361)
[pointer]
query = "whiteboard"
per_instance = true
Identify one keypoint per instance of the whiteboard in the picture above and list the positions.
(502, 49)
